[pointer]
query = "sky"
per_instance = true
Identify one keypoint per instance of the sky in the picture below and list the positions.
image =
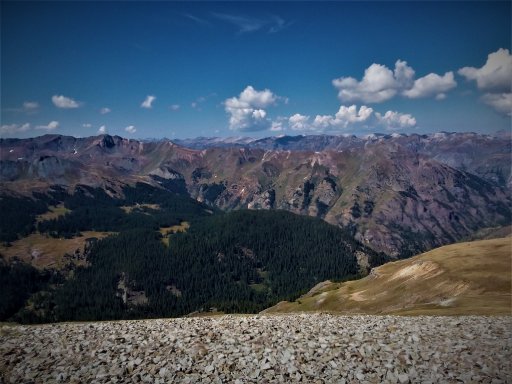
(256, 69)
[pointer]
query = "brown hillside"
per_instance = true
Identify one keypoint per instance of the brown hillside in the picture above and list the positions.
(460, 279)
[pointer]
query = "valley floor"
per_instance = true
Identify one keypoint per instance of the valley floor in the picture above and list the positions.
(310, 348)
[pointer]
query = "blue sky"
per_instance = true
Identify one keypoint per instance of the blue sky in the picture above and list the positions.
(187, 69)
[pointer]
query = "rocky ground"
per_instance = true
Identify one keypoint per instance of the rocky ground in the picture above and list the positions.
(319, 348)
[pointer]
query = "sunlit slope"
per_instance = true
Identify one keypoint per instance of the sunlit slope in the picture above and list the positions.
(462, 279)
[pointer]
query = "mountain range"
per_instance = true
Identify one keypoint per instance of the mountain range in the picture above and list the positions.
(400, 194)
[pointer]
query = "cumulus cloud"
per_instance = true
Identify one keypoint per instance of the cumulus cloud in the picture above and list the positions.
(501, 102)
(174, 107)
(247, 111)
(102, 130)
(130, 129)
(14, 128)
(379, 84)
(258, 99)
(105, 110)
(351, 117)
(431, 85)
(494, 78)
(392, 120)
(299, 122)
(52, 125)
(345, 117)
(87, 125)
(148, 102)
(495, 75)
(61, 101)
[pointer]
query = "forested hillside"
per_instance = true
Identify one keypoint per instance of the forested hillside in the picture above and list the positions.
(242, 261)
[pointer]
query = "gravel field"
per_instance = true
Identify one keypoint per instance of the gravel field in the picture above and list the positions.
(307, 348)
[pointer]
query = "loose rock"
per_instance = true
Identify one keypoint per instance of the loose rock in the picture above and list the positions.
(305, 348)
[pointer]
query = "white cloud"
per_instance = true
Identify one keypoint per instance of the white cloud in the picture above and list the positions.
(52, 125)
(393, 121)
(299, 122)
(350, 115)
(345, 117)
(496, 74)
(175, 107)
(14, 128)
(87, 125)
(130, 129)
(258, 99)
(322, 121)
(430, 85)
(376, 86)
(495, 78)
(501, 102)
(247, 111)
(350, 118)
(102, 130)
(105, 110)
(61, 101)
(379, 84)
(148, 102)
(277, 126)
(30, 106)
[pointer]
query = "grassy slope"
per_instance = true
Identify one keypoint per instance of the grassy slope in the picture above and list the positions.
(46, 252)
(458, 279)
(166, 231)
(53, 213)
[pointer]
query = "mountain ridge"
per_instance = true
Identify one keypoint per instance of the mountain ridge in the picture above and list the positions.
(399, 194)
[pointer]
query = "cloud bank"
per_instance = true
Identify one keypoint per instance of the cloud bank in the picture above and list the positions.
(14, 128)
(350, 117)
(379, 84)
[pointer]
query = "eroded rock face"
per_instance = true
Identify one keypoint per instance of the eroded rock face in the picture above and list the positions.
(256, 349)
(392, 199)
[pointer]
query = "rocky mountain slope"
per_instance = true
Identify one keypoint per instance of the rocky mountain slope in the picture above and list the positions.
(399, 194)
(487, 156)
(459, 279)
